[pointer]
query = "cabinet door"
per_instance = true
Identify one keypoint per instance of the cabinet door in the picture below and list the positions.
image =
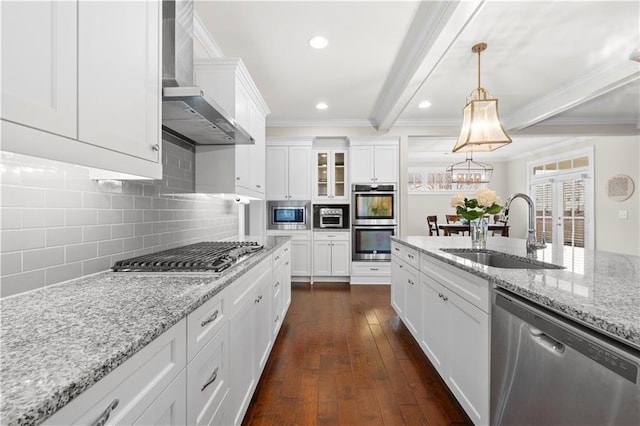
(119, 76)
(340, 258)
(170, 408)
(257, 151)
(412, 314)
(277, 172)
(397, 286)
(242, 369)
(300, 258)
(468, 356)
(322, 172)
(434, 321)
(339, 176)
(322, 258)
(277, 301)
(208, 379)
(262, 320)
(361, 164)
(386, 164)
(42, 91)
(300, 173)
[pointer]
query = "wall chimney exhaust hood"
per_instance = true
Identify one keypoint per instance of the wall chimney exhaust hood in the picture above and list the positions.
(187, 112)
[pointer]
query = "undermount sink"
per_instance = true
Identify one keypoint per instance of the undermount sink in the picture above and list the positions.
(498, 259)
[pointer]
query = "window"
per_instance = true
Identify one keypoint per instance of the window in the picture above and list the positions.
(562, 189)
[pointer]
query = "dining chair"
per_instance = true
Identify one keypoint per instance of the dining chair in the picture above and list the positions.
(497, 219)
(432, 224)
(453, 218)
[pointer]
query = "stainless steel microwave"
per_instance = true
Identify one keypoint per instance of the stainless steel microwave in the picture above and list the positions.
(288, 215)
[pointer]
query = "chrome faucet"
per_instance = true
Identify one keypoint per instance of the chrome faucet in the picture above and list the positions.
(532, 243)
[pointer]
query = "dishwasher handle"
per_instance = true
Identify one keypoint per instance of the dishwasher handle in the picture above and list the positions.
(546, 341)
(555, 333)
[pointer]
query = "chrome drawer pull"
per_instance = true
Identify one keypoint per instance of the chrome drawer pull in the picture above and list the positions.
(212, 318)
(277, 283)
(373, 269)
(277, 318)
(258, 299)
(212, 379)
(106, 413)
(287, 263)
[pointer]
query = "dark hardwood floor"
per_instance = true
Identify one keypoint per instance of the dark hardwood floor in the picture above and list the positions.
(343, 357)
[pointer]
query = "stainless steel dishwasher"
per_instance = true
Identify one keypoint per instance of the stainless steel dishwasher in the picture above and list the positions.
(547, 370)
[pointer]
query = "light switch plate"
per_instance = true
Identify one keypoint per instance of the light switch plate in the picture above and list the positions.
(622, 214)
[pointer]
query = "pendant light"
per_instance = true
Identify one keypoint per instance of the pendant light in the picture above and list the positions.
(481, 127)
(470, 171)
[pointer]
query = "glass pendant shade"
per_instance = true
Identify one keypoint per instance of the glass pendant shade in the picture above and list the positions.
(481, 127)
(470, 171)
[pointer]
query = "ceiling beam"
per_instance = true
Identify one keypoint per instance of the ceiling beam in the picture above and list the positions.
(433, 30)
(587, 88)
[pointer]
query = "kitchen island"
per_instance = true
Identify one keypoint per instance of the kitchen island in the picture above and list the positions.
(445, 301)
(58, 341)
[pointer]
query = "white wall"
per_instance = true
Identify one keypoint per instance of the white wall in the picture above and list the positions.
(612, 155)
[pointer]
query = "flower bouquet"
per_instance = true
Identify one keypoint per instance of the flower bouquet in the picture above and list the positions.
(474, 210)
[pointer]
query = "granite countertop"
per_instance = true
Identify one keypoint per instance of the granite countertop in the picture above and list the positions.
(598, 289)
(58, 341)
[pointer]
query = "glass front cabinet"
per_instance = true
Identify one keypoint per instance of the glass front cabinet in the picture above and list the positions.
(330, 182)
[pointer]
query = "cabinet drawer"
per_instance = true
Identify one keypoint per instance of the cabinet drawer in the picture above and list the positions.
(208, 379)
(379, 268)
(281, 255)
(468, 286)
(408, 254)
(242, 287)
(331, 236)
(205, 322)
(134, 385)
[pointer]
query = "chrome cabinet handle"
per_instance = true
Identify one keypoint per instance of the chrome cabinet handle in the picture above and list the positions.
(155, 147)
(212, 379)
(410, 256)
(277, 283)
(258, 186)
(277, 318)
(106, 413)
(286, 249)
(259, 298)
(210, 319)
(396, 249)
(237, 177)
(277, 258)
(373, 269)
(287, 262)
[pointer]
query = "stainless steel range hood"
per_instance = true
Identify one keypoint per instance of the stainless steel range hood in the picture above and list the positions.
(187, 112)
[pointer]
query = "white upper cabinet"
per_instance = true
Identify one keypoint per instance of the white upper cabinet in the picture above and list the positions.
(43, 92)
(118, 96)
(289, 170)
(81, 84)
(374, 161)
(330, 177)
(236, 169)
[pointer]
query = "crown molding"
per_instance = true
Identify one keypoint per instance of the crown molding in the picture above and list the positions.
(356, 122)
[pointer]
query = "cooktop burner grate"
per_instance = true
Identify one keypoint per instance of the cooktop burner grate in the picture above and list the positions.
(207, 256)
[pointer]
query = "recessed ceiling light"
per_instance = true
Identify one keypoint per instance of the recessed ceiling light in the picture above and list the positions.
(424, 104)
(318, 42)
(322, 105)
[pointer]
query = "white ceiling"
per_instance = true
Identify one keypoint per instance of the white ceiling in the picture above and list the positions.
(550, 63)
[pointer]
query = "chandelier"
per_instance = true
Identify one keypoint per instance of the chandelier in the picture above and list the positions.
(481, 127)
(470, 171)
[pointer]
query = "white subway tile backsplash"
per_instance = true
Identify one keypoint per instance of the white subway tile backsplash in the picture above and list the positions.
(11, 263)
(76, 217)
(11, 218)
(22, 239)
(122, 231)
(99, 264)
(22, 282)
(96, 233)
(58, 224)
(96, 200)
(63, 236)
(106, 248)
(63, 199)
(109, 217)
(20, 196)
(38, 259)
(42, 218)
(61, 273)
(77, 252)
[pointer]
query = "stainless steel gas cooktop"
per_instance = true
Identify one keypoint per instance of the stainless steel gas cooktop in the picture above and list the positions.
(209, 256)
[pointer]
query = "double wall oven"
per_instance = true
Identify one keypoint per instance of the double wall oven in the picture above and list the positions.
(375, 220)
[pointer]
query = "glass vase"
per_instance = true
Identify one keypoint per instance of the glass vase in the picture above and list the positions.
(478, 230)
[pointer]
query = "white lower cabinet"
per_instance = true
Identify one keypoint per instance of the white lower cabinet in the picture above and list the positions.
(331, 254)
(300, 252)
(447, 312)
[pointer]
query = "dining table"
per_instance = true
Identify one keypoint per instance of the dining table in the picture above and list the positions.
(459, 227)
